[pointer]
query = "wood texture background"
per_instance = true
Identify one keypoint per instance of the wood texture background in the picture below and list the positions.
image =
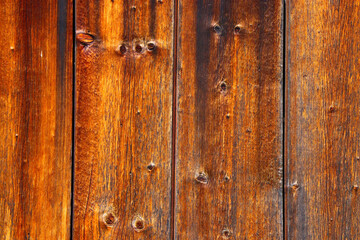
(36, 119)
(322, 119)
(123, 119)
(229, 127)
(182, 123)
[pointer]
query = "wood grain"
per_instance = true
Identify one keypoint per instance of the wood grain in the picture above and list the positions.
(322, 130)
(124, 75)
(229, 120)
(36, 119)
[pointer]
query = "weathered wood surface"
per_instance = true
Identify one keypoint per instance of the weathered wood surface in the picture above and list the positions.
(124, 76)
(229, 120)
(36, 119)
(322, 120)
(226, 123)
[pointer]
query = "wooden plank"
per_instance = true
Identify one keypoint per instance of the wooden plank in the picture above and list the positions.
(322, 130)
(36, 119)
(229, 111)
(124, 65)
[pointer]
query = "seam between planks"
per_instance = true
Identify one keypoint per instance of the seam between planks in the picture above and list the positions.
(285, 117)
(174, 116)
(73, 120)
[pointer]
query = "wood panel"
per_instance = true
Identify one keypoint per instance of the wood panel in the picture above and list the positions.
(36, 119)
(229, 120)
(322, 116)
(124, 75)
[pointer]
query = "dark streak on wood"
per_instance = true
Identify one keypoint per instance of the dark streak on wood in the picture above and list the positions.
(229, 120)
(36, 119)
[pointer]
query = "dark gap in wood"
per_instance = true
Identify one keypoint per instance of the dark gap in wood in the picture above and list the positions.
(73, 122)
(174, 115)
(284, 115)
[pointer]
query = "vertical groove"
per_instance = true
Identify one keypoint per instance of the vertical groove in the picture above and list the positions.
(284, 116)
(174, 116)
(73, 123)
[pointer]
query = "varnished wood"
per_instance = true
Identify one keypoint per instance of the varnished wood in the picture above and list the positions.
(322, 120)
(124, 78)
(35, 119)
(229, 120)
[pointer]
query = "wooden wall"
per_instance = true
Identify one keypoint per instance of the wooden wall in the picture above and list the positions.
(179, 119)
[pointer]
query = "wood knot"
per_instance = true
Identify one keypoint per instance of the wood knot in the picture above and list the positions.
(85, 38)
(138, 224)
(109, 219)
(150, 167)
(122, 49)
(151, 46)
(202, 178)
(138, 48)
(223, 86)
(217, 29)
(238, 29)
(226, 233)
(295, 186)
